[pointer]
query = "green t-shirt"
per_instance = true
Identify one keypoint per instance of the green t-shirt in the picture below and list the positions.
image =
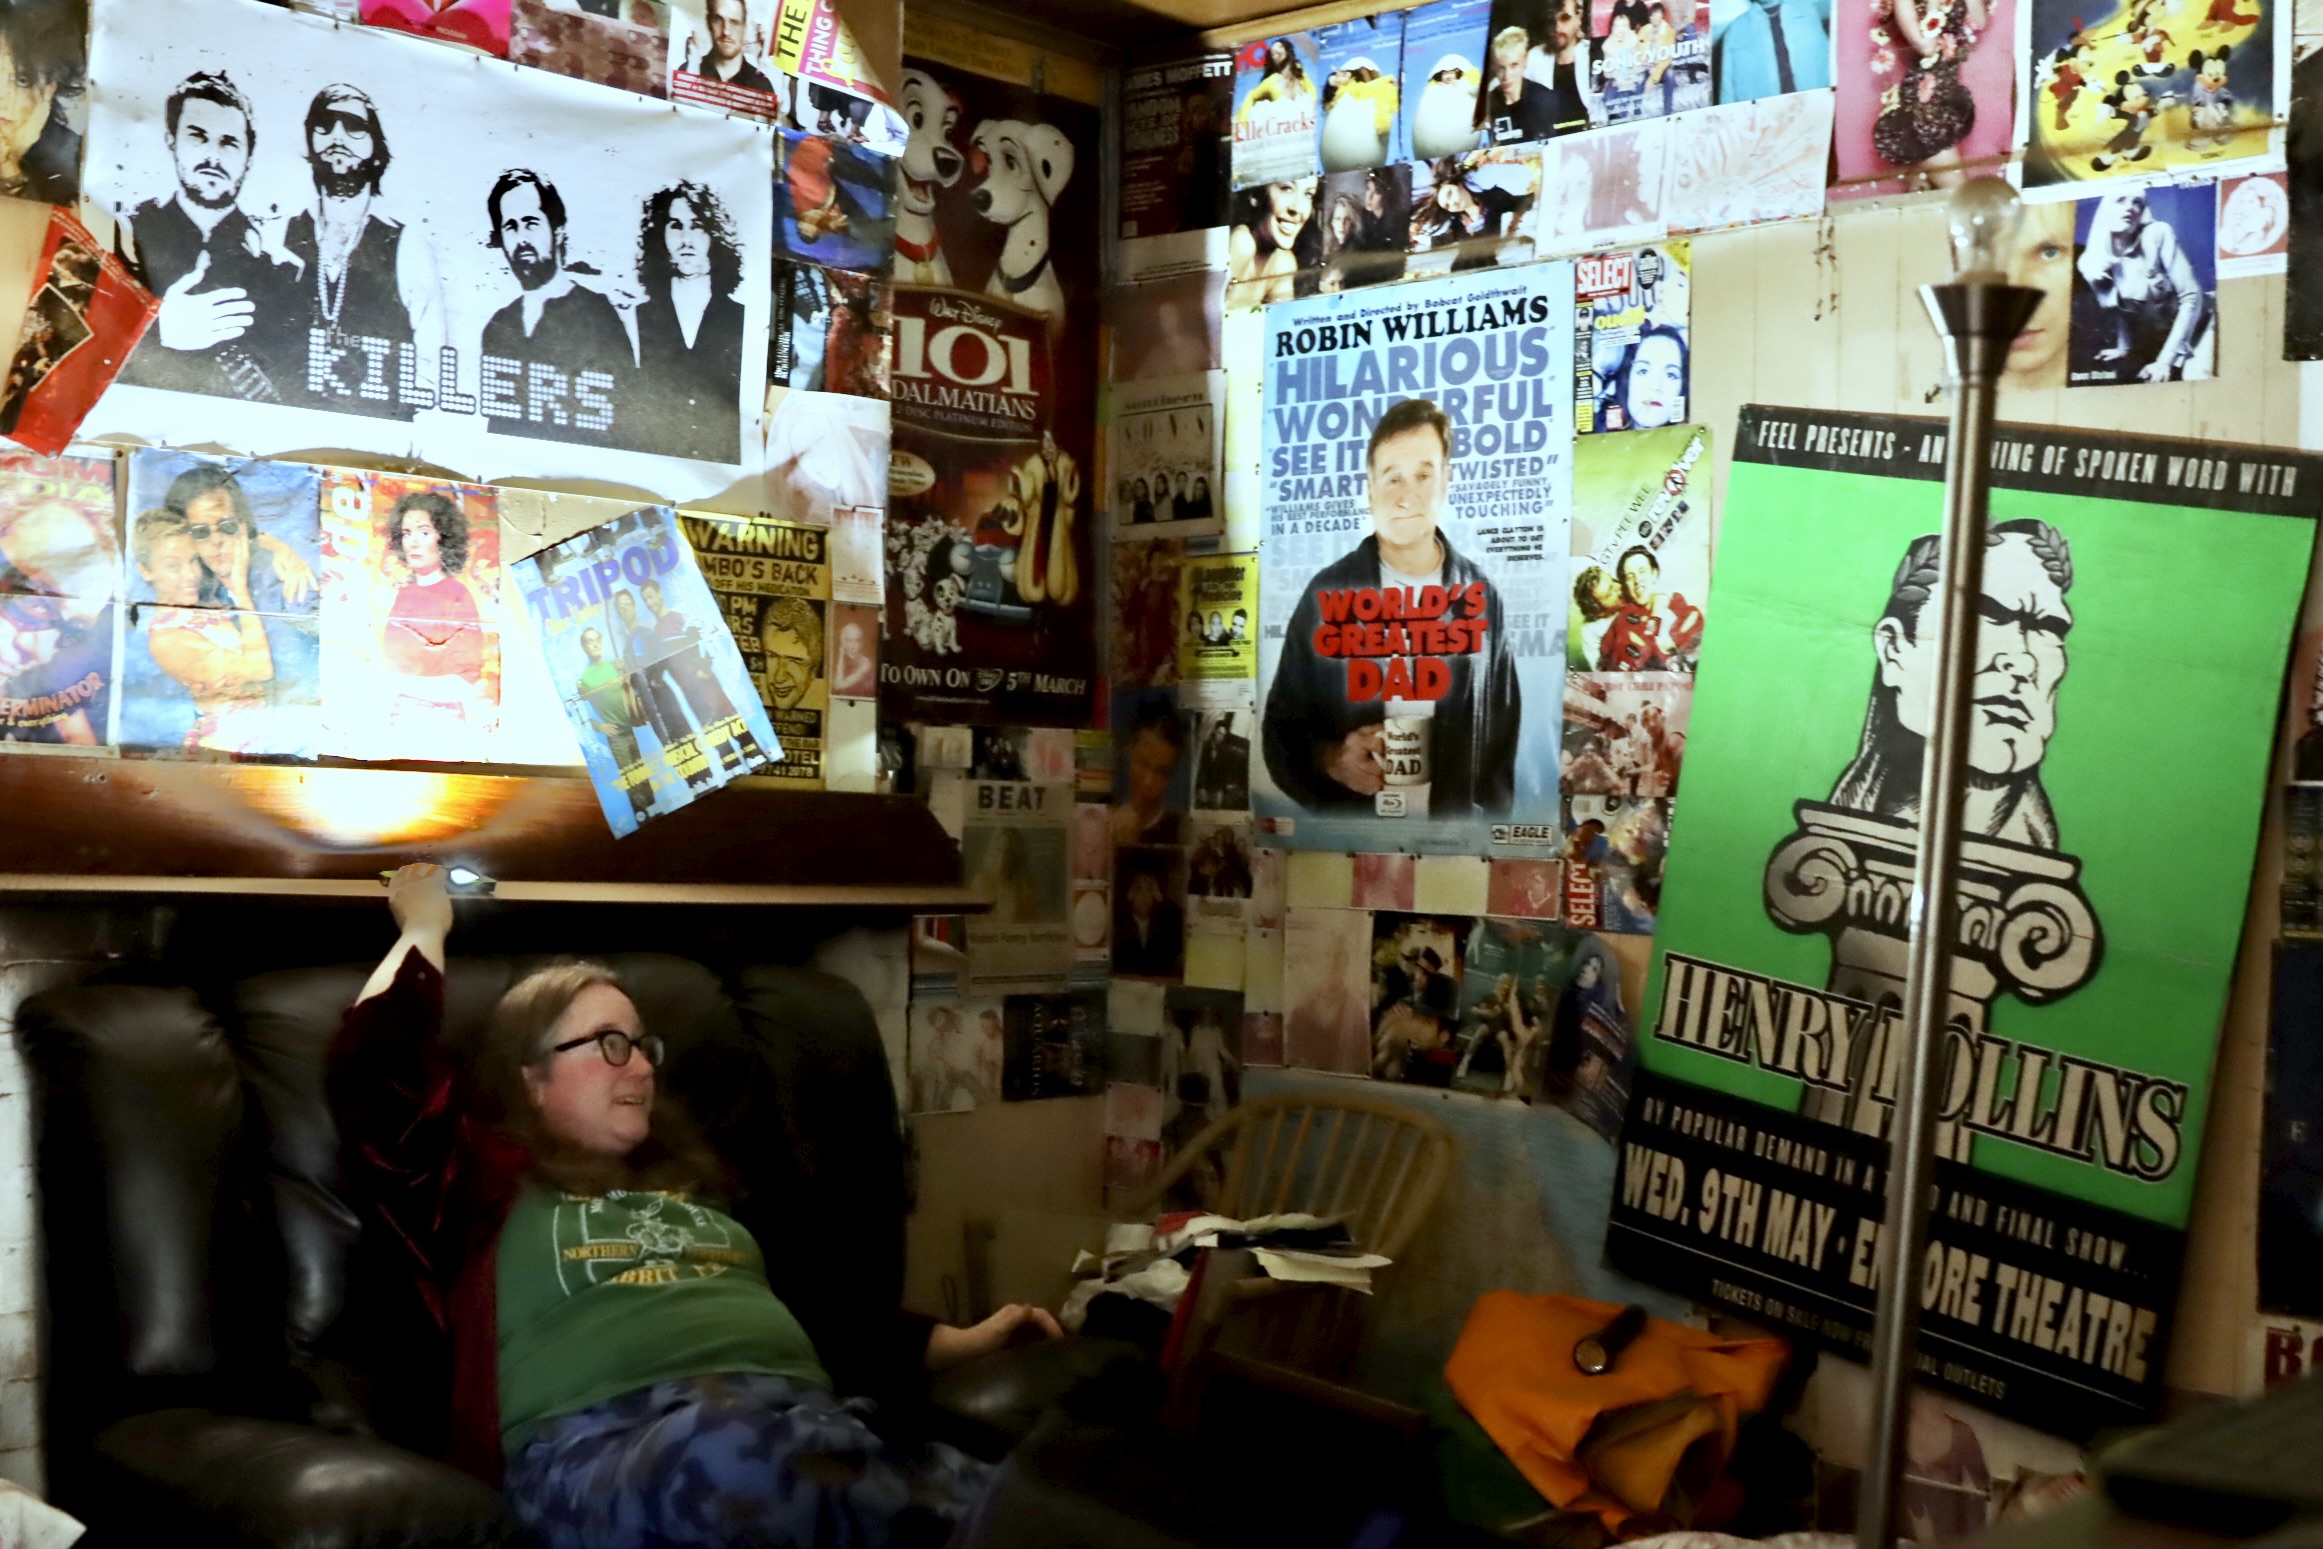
(603, 1296)
(601, 684)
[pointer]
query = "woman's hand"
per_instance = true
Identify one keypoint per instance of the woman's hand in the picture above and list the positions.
(237, 576)
(1016, 1323)
(291, 571)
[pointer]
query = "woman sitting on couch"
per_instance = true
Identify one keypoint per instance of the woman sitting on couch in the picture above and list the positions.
(619, 1359)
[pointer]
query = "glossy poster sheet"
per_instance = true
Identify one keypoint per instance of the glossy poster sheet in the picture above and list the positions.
(1924, 93)
(773, 578)
(1412, 602)
(1167, 439)
(1741, 164)
(618, 43)
(1633, 338)
(1362, 68)
(523, 265)
(2145, 292)
(1447, 50)
(60, 574)
(85, 317)
(1277, 108)
(2086, 1001)
(1176, 117)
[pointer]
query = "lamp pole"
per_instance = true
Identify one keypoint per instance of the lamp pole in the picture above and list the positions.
(1978, 315)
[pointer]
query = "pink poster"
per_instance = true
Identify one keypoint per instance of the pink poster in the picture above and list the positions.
(1925, 91)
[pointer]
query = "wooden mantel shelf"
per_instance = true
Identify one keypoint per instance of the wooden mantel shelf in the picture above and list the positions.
(108, 825)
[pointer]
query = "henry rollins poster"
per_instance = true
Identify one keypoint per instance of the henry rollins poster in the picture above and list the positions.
(363, 240)
(1417, 500)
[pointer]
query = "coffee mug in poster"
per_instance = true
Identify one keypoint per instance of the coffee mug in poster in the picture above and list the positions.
(1418, 481)
(546, 277)
(638, 647)
(992, 587)
(1447, 49)
(1277, 110)
(410, 617)
(2150, 89)
(1632, 338)
(2093, 969)
(1925, 88)
(1165, 440)
(2145, 286)
(60, 573)
(1362, 68)
(221, 644)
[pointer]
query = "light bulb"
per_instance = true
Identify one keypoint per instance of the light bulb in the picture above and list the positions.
(1984, 215)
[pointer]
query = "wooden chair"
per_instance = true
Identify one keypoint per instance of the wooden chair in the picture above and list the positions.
(1377, 1164)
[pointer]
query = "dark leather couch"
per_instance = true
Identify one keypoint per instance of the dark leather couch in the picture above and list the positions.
(225, 1364)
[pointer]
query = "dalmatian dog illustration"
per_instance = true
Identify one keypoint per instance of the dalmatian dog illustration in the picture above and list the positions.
(931, 163)
(1025, 168)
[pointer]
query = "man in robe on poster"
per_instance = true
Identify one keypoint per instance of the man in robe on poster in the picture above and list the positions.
(557, 359)
(230, 325)
(1363, 637)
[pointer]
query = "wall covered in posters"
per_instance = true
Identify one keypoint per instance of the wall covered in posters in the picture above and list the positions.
(2093, 972)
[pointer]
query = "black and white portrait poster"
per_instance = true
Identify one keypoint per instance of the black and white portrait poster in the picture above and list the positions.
(358, 243)
(1167, 438)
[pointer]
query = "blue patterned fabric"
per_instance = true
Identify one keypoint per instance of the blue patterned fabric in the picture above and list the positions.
(734, 1462)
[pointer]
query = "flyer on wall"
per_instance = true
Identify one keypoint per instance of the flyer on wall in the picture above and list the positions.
(623, 45)
(1166, 444)
(1175, 165)
(1417, 501)
(60, 574)
(2088, 994)
(991, 582)
(774, 580)
(1218, 600)
(453, 276)
(637, 645)
(1014, 839)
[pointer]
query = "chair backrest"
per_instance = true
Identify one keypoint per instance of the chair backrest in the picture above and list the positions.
(1373, 1162)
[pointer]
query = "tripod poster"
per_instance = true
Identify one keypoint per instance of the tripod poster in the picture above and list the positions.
(2092, 966)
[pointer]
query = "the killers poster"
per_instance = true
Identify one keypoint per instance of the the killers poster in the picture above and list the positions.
(352, 248)
(60, 573)
(2093, 968)
(639, 649)
(1418, 479)
(991, 598)
(774, 580)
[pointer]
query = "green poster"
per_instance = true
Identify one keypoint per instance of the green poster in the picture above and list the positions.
(2139, 598)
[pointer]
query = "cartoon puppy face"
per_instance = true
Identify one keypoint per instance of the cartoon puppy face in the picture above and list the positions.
(1024, 166)
(929, 159)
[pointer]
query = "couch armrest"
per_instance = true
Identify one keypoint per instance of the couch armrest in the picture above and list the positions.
(988, 1405)
(188, 1475)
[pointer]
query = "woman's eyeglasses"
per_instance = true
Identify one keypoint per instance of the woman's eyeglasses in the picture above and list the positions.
(615, 1046)
(200, 531)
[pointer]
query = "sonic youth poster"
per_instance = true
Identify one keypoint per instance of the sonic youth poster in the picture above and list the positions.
(992, 587)
(2150, 90)
(1277, 109)
(1925, 88)
(637, 646)
(1362, 66)
(548, 278)
(1167, 437)
(2093, 969)
(1632, 338)
(774, 580)
(1418, 483)
(619, 43)
(2145, 305)
(1446, 50)
(60, 572)
(1175, 168)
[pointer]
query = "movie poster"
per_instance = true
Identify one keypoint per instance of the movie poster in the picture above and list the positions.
(1632, 338)
(221, 644)
(637, 645)
(1052, 1046)
(1277, 110)
(1013, 851)
(773, 579)
(60, 575)
(2150, 90)
(85, 317)
(497, 311)
(958, 1050)
(1166, 440)
(1770, 48)
(478, 24)
(2146, 305)
(618, 43)
(1412, 605)
(1924, 93)
(1218, 598)
(1748, 163)
(2093, 968)
(1447, 48)
(992, 583)
(1176, 150)
(1603, 188)
(1361, 63)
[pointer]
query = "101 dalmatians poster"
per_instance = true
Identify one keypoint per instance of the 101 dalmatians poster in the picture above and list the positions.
(991, 609)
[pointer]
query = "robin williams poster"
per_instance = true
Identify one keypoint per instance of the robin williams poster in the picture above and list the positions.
(1417, 468)
(991, 586)
(356, 244)
(2093, 964)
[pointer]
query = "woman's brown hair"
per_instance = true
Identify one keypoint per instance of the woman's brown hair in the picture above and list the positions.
(672, 1156)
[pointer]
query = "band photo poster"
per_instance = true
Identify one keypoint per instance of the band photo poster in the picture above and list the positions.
(2093, 970)
(991, 559)
(1417, 468)
(548, 278)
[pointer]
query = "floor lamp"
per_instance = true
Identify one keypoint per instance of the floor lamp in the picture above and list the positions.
(1978, 315)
